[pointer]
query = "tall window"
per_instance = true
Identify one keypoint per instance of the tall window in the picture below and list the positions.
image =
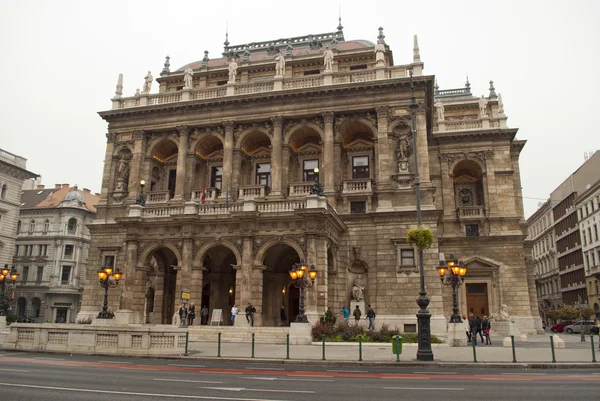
(216, 177)
(263, 174)
(309, 170)
(407, 257)
(39, 274)
(360, 167)
(65, 275)
(109, 261)
(46, 226)
(3, 193)
(72, 225)
(43, 250)
(36, 306)
(32, 226)
(595, 232)
(16, 250)
(25, 273)
(18, 226)
(68, 252)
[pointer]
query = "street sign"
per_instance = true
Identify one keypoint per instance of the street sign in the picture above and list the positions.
(185, 296)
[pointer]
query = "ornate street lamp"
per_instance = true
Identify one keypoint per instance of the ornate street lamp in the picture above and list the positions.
(452, 272)
(108, 278)
(424, 352)
(141, 200)
(298, 273)
(5, 274)
(316, 188)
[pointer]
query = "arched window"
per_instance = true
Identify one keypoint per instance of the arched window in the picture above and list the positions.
(32, 226)
(46, 226)
(21, 307)
(72, 225)
(3, 193)
(36, 306)
(18, 226)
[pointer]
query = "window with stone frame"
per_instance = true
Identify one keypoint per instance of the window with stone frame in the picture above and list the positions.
(360, 167)
(25, 274)
(308, 169)
(72, 225)
(32, 226)
(65, 275)
(263, 174)
(46, 226)
(3, 193)
(109, 261)
(39, 274)
(358, 207)
(406, 256)
(68, 254)
(216, 177)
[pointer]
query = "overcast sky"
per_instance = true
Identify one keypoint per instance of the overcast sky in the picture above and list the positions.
(61, 59)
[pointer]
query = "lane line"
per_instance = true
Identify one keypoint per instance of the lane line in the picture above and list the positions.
(261, 368)
(238, 389)
(426, 388)
(435, 373)
(117, 363)
(187, 381)
(347, 371)
(15, 370)
(187, 366)
(183, 396)
(405, 378)
(289, 380)
(525, 374)
(49, 359)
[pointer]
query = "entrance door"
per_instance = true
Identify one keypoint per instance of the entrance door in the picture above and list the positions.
(293, 303)
(477, 299)
(61, 315)
(170, 281)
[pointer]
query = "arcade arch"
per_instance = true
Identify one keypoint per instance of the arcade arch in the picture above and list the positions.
(218, 281)
(161, 280)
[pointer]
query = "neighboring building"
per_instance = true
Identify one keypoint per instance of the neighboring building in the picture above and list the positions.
(12, 174)
(51, 252)
(588, 213)
(557, 241)
(228, 162)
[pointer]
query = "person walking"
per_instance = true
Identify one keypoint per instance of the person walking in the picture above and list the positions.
(473, 328)
(250, 310)
(234, 312)
(467, 329)
(371, 317)
(204, 315)
(357, 314)
(182, 315)
(346, 314)
(486, 326)
(283, 315)
(479, 328)
(191, 314)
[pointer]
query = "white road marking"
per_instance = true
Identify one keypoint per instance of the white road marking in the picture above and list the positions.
(263, 368)
(117, 363)
(182, 396)
(15, 370)
(187, 381)
(425, 388)
(526, 374)
(436, 373)
(284, 379)
(238, 389)
(347, 371)
(259, 378)
(49, 359)
(187, 366)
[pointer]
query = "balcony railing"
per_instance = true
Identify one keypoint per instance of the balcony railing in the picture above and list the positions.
(249, 192)
(158, 197)
(463, 212)
(163, 211)
(357, 186)
(219, 209)
(300, 189)
(210, 195)
(280, 206)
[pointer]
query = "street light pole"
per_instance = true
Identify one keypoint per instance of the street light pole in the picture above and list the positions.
(141, 200)
(298, 273)
(5, 274)
(424, 352)
(452, 273)
(105, 276)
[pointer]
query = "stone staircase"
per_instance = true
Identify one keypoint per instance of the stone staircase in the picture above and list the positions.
(230, 334)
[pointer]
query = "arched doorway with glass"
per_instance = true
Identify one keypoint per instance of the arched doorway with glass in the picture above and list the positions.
(162, 278)
(218, 282)
(278, 260)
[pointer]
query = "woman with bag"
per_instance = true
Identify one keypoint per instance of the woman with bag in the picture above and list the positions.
(485, 327)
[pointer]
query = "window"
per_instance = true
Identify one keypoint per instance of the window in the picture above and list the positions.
(472, 230)
(43, 250)
(25, 273)
(18, 226)
(309, 170)
(46, 226)
(36, 306)
(587, 261)
(16, 250)
(65, 275)
(72, 225)
(29, 250)
(595, 232)
(407, 257)
(68, 252)
(358, 207)
(312, 72)
(590, 234)
(3, 193)
(32, 226)
(593, 258)
(263, 174)
(39, 274)
(216, 177)
(109, 261)
(584, 238)
(358, 67)
(360, 167)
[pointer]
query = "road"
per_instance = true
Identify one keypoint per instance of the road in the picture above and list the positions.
(55, 377)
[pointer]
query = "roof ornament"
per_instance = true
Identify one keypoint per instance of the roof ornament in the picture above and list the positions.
(437, 88)
(226, 43)
(468, 84)
(340, 27)
(289, 48)
(166, 69)
(416, 53)
(492, 90)
(119, 91)
(500, 104)
(334, 44)
(205, 59)
(381, 36)
(246, 55)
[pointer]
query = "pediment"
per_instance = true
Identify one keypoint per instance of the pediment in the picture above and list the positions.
(309, 148)
(479, 263)
(465, 179)
(360, 143)
(216, 155)
(262, 152)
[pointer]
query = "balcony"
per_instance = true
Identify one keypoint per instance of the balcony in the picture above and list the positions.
(210, 195)
(158, 197)
(250, 192)
(470, 212)
(361, 186)
(299, 189)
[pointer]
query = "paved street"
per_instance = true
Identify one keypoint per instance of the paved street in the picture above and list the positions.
(50, 377)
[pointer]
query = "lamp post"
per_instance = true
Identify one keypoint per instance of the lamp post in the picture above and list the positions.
(141, 200)
(424, 352)
(452, 272)
(298, 273)
(316, 188)
(105, 275)
(5, 274)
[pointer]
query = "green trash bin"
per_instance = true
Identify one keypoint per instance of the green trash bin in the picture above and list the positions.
(396, 345)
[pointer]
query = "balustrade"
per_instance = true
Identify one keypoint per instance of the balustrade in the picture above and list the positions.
(249, 192)
(470, 211)
(163, 211)
(157, 197)
(357, 186)
(300, 189)
(260, 87)
(210, 195)
(219, 209)
(280, 206)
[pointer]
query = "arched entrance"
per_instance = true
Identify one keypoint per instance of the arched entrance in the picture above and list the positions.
(278, 260)
(162, 277)
(218, 289)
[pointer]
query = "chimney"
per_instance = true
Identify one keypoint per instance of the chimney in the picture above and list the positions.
(86, 190)
(40, 187)
(57, 186)
(65, 185)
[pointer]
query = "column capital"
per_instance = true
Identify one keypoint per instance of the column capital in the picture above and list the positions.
(328, 117)
(277, 121)
(382, 112)
(183, 130)
(138, 135)
(228, 125)
(110, 137)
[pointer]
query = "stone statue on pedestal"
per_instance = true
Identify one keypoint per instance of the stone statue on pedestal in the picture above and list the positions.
(328, 59)
(233, 66)
(147, 82)
(279, 65)
(439, 106)
(402, 153)
(188, 78)
(358, 290)
(379, 54)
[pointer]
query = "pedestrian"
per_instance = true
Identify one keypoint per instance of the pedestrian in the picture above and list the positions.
(357, 313)
(486, 327)
(283, 315)
(250, 310)
(182, 315)
(371, 317)
(234, 312)
(204, 315)
(346, 314)
(479, 329)
(467, 329)
(473, 328)
(191, 314)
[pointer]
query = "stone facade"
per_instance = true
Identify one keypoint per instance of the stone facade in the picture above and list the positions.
(228, 167)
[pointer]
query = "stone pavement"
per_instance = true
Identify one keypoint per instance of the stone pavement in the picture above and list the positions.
(535, 350)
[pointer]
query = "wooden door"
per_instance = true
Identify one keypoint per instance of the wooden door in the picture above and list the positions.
(477, 299)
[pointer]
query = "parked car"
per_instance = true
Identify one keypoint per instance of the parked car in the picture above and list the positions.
(576, 327)
(560, 326)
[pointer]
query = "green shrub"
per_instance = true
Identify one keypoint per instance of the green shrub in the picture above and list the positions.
(353, 333)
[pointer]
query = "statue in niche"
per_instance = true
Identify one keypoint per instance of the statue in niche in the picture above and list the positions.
(233, 66)
(439, 106)
(402, 153)
(379, 54)
(358, 289)
(328, 59)
(122, 175)
(483, 107)
(188, 78)
(147, 82)
(280, 65)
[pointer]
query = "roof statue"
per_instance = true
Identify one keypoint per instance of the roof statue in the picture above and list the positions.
(147, 83)
(119, 91)
(416, 53)
(328, 59)
(166, 68)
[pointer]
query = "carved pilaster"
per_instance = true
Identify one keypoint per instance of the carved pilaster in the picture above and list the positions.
(138, 135)
(110, 137)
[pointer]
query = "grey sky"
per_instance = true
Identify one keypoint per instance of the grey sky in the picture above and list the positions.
(61, 59)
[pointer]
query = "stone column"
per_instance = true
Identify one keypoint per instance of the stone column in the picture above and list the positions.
(136, 172)
(448, 196)
(383, 149)
(106, 174)
(257, 287)
(276, 166)
(227, 158)
(243, 274)
(328, 161)
(423, 148)
(130, 291)
(491, 203)
(285, 170)
(181, 164)
(184, 274)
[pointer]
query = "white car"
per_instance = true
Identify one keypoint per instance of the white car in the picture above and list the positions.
(577, 326)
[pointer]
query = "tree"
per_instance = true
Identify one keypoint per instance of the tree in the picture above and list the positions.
(568, 312)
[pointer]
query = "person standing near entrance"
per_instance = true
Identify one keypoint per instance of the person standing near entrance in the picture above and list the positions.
(346, 314)
(486, 326)
(191, 314)
(357, 313)
(182, 315)
(250, 310)
(473, 328)
(234, 312)
(371, 317)
(203, 315)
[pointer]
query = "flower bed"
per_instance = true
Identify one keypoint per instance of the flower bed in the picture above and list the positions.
(354, 333)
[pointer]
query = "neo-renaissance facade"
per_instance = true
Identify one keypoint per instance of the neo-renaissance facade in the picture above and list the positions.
(228, 148)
